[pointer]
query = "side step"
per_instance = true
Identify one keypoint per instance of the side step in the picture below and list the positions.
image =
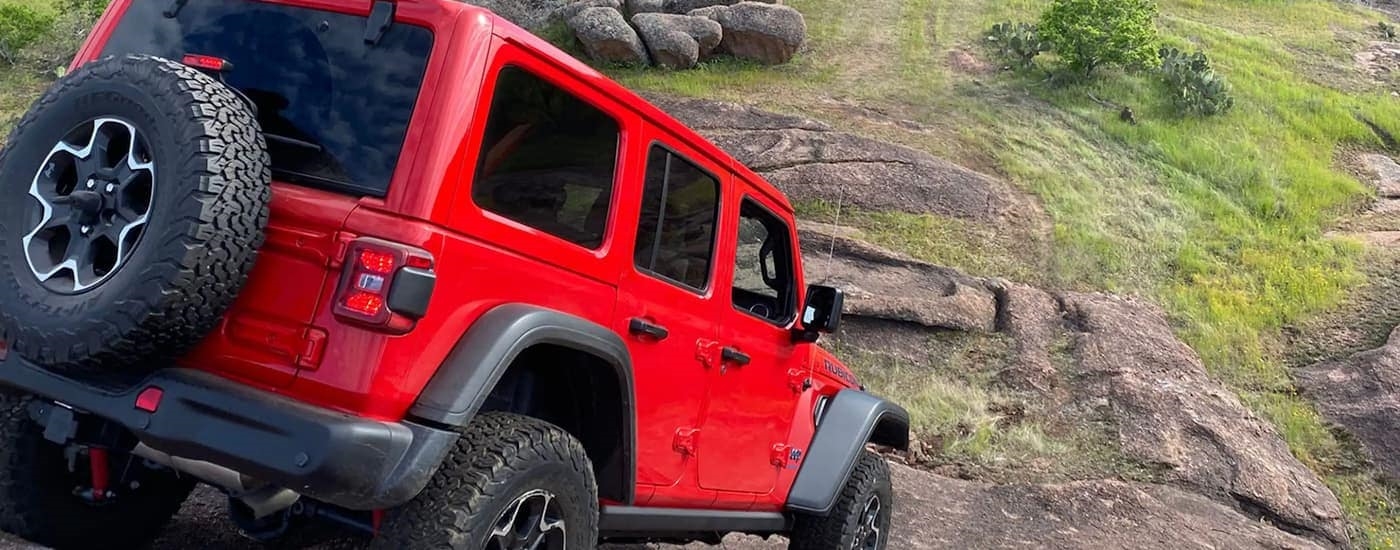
(636, 521)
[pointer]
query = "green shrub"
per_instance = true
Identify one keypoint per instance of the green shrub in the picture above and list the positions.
(20, 26)
(1088, 34)
(1193, 84)
(1386, 30)
(1017, 43)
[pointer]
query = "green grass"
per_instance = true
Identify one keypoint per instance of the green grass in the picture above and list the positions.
(1220, 220)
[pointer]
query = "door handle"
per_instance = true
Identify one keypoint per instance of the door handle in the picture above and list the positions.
(734, 356)
(639, 327)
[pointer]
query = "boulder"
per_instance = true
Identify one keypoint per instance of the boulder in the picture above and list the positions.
(646, 6)
(882, 284)
(677, 41)
(568, 12)
(940, 512)
(767, 33)
(1169, 413)
(607, 37)
(808, 160)
(1361, 393)
(531, 14)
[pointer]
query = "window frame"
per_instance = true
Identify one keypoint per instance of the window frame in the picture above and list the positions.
(789, 255)
(619, 155)
(718, 221)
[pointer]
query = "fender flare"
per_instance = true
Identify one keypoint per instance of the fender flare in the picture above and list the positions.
(852, 419)
(486, 351)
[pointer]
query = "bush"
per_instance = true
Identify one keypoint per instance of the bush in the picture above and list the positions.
(1088, 34)
(1194, 86)
(1386, 30)
(20, 26)
(1017, 43)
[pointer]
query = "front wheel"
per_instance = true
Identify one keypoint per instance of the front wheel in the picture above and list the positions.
(861, 518)
(511, 483)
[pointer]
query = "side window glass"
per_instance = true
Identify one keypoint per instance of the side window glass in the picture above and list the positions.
(676, 234)
(548, 159)
(764, 284)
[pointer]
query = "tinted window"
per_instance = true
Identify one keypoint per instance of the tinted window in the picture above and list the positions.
(676, 235)
(547, 160)
(334, 108)
(764, 284)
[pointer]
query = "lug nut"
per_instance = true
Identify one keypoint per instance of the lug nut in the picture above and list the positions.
(111, 188)
(91, 184)
(86, 229)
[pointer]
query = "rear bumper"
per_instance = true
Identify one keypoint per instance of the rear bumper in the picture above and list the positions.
(330, 456)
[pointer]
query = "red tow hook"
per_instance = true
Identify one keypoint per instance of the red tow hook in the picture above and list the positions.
(376, 519)
(97, 462)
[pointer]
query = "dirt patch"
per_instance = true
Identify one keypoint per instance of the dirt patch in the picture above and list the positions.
(1380, 61)
(966, 61)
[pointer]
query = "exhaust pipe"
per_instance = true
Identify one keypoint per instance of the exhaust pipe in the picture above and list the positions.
(260, 497)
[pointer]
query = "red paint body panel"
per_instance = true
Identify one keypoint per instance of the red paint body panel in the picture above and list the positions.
(708, 436)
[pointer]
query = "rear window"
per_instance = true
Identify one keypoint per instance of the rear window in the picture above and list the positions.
(335, 109)
(547, 159)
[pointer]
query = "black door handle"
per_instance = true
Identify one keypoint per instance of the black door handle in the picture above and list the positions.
(734, 356)
(640, 327)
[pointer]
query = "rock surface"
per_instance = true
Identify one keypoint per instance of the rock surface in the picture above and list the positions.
(767, 33)
(932, 512)
(880, 284)
(936, 512)
(1361, 394)
(1385, 174)
(677, 41)
(531, 14)
(1033, 319)
(607, 37)
(1170, 413)
(808, 160)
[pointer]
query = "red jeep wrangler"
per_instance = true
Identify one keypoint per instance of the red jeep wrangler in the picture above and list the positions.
(499, 301)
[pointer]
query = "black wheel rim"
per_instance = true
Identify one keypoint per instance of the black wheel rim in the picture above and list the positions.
(93, 195)
(533, 521)
(868, 528)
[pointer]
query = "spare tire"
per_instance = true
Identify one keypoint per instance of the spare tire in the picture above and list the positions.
(133, 198)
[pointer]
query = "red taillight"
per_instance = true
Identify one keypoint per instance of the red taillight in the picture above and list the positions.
(149, 399)
(365, 303)
(375, 261)
(207, 62)
(385, 285)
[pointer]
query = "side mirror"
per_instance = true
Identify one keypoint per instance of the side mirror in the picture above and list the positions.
(821, 311)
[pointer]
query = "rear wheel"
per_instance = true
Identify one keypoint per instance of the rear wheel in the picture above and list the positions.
(512, 483)
(46, 490)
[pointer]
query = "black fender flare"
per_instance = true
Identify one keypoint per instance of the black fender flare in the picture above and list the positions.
(852, 419)
(486, 351)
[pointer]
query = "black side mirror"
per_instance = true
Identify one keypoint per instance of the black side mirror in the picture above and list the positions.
(821, 312)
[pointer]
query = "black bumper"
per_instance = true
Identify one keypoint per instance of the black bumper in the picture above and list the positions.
(333, 457)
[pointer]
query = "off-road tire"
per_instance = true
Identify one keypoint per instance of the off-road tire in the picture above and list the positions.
(37, 500)
(498, 458)
(839, 530)
(206, 217)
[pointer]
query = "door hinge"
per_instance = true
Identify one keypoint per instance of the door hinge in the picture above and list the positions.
(798, 380)
(707, 352)
(781, 454)
(685, 442)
